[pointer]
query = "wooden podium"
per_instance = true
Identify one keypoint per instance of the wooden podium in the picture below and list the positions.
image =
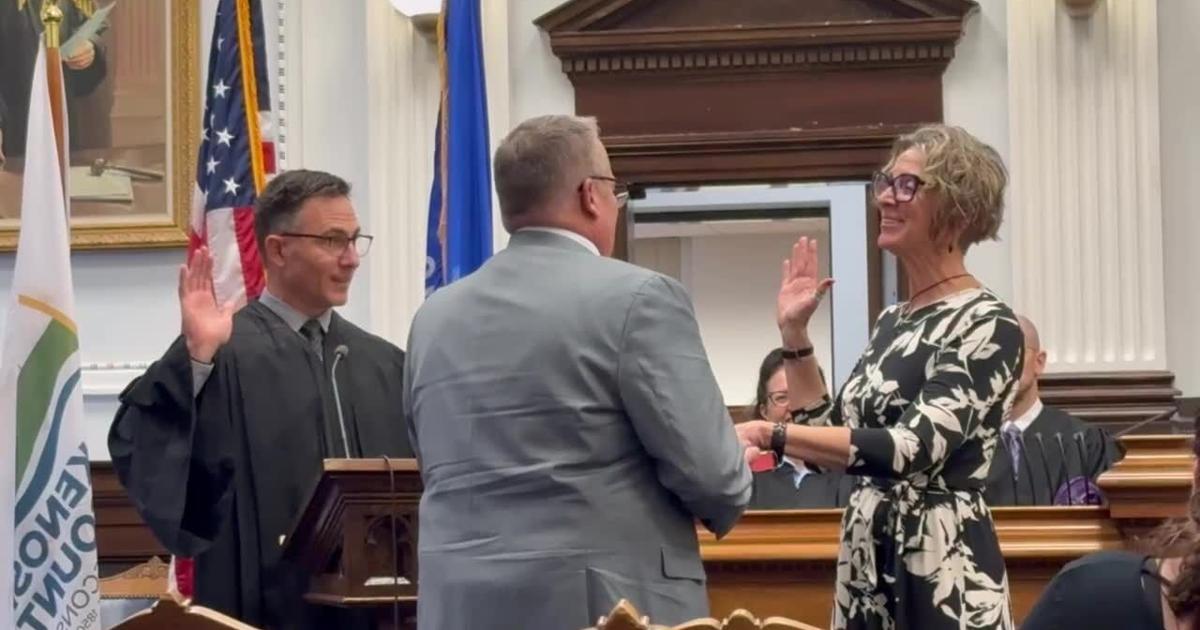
(357, 535)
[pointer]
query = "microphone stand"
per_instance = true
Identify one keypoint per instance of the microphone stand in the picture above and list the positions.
(338, 354)
(1065, 467)
(1028, 468)
(1079, 446)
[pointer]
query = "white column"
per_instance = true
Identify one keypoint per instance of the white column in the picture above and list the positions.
(1179, 52)
(1085, 205)
(402, 99)
(324, 115)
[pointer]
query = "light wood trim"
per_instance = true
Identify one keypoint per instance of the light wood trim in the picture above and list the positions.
(370, 465)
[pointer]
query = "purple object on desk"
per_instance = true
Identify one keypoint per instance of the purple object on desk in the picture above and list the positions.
(1078, 491)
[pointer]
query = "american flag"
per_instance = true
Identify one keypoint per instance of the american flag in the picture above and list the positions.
(236, 157)
(236, 152)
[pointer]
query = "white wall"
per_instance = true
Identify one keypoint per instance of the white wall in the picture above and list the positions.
(733, 280)
(539, 85)
(1179, 145)
(975, 97)
(127, 313)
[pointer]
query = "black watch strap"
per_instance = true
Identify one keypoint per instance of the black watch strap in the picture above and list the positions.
(790, 354)
(779, 440)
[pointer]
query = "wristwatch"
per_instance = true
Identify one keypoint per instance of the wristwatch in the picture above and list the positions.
(779, 440)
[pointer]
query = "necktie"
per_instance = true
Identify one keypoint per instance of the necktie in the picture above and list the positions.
(312, 333)
(1012, 439)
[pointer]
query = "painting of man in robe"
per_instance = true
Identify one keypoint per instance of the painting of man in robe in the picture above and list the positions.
(116, 63)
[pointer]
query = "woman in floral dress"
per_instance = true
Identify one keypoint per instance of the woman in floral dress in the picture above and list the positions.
(919, 417)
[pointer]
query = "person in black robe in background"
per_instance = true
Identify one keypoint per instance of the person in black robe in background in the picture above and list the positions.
(20, 33)
(791, 485)
(221, 440)
(1045, 455)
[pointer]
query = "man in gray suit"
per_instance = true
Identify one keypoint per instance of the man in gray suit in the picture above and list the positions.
(568, 425)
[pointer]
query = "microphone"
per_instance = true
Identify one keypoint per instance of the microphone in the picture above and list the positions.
(339, 353)
(1028, 471)
(1065, 468)
(1050, 485)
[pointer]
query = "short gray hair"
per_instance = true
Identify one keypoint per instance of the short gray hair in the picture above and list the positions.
(541, 158)
(969, 175)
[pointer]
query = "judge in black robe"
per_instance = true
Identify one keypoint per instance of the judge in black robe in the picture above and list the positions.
(789, 487)
(219, 458)
(1059, 457)
(1046, 456)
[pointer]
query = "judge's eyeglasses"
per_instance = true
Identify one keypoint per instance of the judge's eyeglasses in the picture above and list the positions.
(779, 399)
(338, 243)
(904, 186)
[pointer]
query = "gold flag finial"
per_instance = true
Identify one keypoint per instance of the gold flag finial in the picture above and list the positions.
(52, 18)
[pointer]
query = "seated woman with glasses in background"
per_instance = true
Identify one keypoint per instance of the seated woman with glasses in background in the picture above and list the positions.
(790, 485)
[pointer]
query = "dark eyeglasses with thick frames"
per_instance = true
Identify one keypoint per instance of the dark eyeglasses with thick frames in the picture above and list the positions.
(620, 188)
(904, 186)
(338, 243)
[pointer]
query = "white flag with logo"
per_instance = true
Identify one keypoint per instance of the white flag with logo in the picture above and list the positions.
(48, 554)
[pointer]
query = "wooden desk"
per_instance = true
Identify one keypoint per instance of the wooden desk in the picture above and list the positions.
(782, 562)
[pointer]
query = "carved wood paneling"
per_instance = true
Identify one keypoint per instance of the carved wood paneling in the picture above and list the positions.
(761, 91)
(1116, 400)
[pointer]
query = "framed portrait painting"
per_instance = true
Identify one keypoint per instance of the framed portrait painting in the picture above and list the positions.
(130, 70)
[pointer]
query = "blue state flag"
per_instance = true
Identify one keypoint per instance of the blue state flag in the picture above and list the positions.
(460, 202)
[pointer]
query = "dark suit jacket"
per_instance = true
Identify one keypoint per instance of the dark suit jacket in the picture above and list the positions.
(776, 490)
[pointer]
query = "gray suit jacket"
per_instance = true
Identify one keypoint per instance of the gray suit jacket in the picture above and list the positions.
(569, 431)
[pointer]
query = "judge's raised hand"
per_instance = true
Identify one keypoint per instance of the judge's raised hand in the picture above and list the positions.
(800, 292)
(206, 325)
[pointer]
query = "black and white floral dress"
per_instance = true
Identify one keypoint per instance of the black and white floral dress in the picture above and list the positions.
(925, 404)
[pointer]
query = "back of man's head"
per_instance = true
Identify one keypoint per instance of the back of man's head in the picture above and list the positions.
(1033, 340)
(276, 207)
(541, 163)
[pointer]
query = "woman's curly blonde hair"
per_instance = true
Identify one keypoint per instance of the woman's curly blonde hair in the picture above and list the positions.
(967, 174)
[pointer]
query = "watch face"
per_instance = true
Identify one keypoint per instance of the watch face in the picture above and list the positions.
(778, 438)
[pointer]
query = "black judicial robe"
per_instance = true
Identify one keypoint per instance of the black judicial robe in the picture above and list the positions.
(1045, 467)
(776, 490)
(222, 476)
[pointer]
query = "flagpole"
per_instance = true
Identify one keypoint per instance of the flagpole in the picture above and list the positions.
(52, 18)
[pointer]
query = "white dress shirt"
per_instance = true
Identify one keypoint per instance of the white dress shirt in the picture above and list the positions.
(1024, 420)
(578, 238)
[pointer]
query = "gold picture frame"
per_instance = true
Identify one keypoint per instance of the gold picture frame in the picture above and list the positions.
(132, 223)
